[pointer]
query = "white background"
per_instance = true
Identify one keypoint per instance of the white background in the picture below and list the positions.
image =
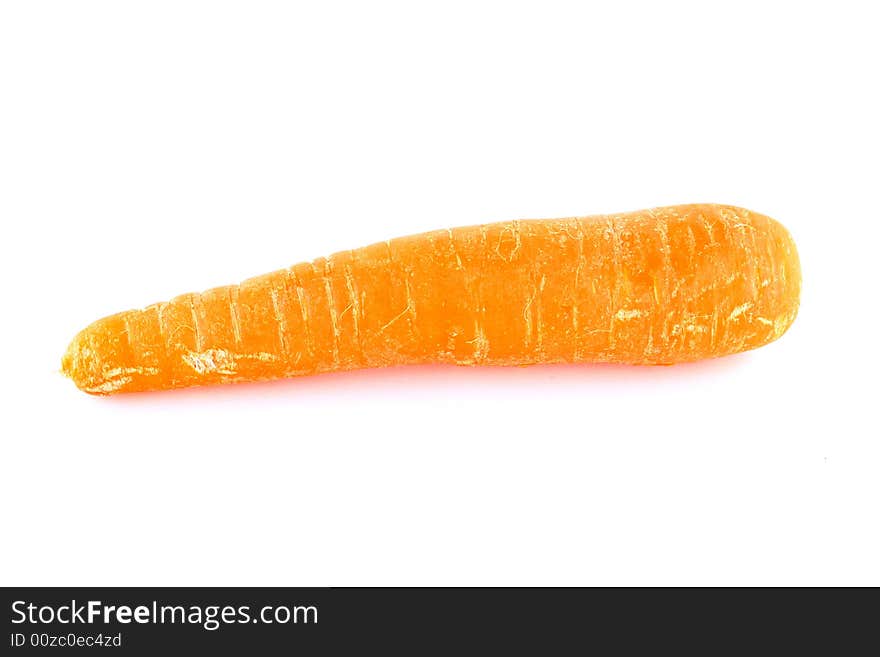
(148, 149)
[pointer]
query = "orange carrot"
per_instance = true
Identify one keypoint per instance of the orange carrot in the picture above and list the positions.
(657, 286)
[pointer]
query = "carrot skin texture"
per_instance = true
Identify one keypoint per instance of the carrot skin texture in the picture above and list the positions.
(653, 287)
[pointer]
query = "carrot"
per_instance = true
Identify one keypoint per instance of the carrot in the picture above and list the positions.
(658, 286)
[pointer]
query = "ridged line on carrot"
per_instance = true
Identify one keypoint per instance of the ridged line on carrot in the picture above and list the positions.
(657, 286)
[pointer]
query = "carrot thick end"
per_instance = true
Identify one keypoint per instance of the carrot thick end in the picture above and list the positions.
(789, 268)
